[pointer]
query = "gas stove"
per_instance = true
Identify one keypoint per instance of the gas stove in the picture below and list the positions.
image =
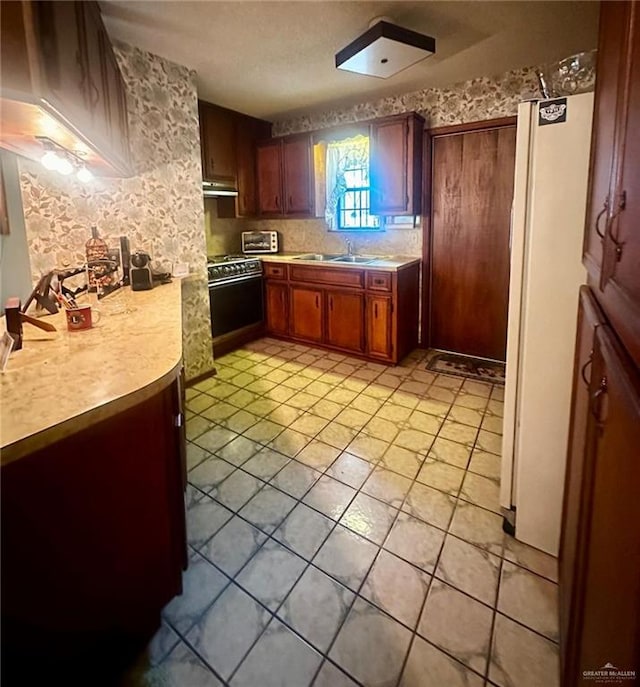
(230, 268)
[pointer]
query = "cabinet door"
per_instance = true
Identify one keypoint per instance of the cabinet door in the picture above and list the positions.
(345, 320)
(117, 104)
(620, 277)
(613, 27)
(246, 205)
(63, 62)
(297, 166)
(277, 308)
(269, 178)
(578, 482)
(379, 327)
(609, 616)
(218, 142)
(95, 43)
(306, 313)
(396, 165)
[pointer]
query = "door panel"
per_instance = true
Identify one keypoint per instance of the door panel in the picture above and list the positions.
(269, 178)
(277, 308)
(471, 208)
(379, 326)
(389, 151)
(345, 320)
(297, 176)
(306, 314)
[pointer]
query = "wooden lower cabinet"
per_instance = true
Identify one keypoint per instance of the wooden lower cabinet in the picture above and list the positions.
(379, 327)
(277, 308)
(345, 320)
(600, 549)
(306, 314)
(369, 313)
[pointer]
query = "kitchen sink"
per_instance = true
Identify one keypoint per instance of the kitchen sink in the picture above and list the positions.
(359, 259)
(320, 257)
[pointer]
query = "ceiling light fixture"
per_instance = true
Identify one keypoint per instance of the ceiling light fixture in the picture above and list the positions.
(384, 50)
(84, 175)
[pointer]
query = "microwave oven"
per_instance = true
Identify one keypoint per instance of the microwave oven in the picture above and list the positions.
(260, 241)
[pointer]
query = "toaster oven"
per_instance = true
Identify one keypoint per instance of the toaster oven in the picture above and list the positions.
(260, 241)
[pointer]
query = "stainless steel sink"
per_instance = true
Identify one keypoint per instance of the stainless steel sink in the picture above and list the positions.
(359, 259)
(320, 257)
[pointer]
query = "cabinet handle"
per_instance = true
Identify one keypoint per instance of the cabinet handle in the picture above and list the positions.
(599, 231)
(277, 203)
(96, 93)
(282, 297)
(375, 310)
(583, 369)
(317, 301)
(622, 204)
(595, 405)
(82, 71)
(331, 303)
(290, 201)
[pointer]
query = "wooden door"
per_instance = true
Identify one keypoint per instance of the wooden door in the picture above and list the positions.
(297, 166)
(306, 314)
(63, 61)
(578, 479)
(608, 624)
(619, 279)
(613, 26)
(389, 157)
(472, 190)
(269, 178)
(345, 320)
(277, 308)
(379, 327)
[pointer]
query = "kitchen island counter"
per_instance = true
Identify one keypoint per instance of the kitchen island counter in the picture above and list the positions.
(62, 382)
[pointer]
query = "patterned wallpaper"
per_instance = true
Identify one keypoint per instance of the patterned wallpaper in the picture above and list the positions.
(160, 209)
(478, 99)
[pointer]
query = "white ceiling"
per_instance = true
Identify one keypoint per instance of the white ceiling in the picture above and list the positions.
(271, 59)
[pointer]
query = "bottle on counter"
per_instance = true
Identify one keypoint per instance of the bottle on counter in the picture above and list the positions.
(96, 249)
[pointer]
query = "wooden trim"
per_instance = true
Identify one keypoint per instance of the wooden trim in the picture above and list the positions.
(483, 125)
(200, 378)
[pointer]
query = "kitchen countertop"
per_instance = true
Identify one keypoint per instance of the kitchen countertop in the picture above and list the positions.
(387, 263)
(61, 382)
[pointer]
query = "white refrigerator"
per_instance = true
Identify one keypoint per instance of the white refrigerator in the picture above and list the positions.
(547, 227)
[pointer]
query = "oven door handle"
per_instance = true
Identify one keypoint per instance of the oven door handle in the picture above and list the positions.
(234, 280)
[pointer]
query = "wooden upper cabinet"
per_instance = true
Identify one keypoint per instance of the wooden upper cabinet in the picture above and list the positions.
(345, 320)
(614, 269)
(218, 138)
(396, 165)
(297, 176)
(73, 76)
(285, 177)
(248, 131)
(269, 178)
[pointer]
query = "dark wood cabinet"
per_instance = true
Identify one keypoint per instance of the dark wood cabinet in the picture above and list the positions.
(600, 545)
(396, 165)
(306, 314)
(217, 141)
(248, 131)
(369, 313)
(285, 177)
(612, 242)
(345, 320)
(379, 326)
(277, 308)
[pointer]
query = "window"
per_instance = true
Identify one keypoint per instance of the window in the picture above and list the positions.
(348, 190)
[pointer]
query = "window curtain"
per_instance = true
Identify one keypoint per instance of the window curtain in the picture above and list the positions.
(342, 155)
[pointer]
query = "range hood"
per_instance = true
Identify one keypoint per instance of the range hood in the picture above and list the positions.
(218, 189)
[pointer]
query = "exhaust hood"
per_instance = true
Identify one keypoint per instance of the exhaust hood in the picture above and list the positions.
(218, 189)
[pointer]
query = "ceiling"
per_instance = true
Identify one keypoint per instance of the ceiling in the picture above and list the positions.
(273, 59)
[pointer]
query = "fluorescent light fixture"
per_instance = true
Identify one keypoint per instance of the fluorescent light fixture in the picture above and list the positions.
(214, 189)
(384, 50)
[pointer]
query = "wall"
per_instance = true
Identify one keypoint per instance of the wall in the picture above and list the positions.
(478, 99)
(160, 208)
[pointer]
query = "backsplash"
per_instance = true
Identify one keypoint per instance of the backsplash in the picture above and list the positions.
(468, 101)
(160, 209)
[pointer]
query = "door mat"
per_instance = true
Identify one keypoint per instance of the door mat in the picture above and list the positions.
(465, 366)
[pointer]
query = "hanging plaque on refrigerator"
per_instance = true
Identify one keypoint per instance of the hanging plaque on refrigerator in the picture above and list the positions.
(552, 111)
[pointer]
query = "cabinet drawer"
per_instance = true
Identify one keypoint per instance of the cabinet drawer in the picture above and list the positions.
(327, 275)
(379, 281)
(273, 271)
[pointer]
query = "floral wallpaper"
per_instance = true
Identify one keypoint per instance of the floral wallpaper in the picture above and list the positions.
(482, 98)
(160, 208)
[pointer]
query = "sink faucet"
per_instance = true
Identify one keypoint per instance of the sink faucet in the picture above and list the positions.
(349, 246)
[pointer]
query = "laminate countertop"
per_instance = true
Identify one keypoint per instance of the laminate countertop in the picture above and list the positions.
(61, 382)
(388, 263)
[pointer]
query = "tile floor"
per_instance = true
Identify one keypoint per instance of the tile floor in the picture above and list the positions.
(344, 529)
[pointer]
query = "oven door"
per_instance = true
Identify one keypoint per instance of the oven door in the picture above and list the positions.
(235, 304)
